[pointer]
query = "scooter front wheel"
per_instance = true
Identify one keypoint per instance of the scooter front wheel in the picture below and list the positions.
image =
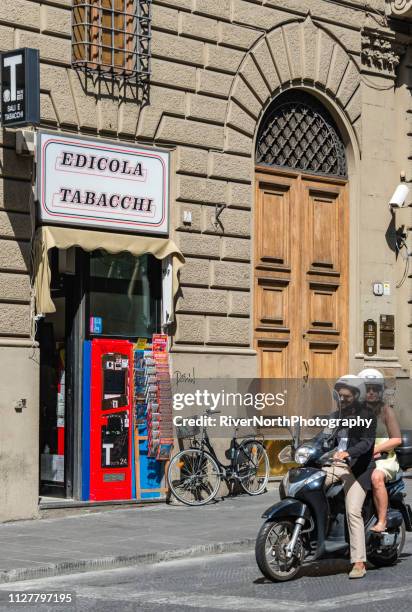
(270, 550)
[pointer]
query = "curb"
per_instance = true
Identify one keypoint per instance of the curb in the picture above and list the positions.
(106, 563)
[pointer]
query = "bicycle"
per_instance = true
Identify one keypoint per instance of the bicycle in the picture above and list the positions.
(194, 474)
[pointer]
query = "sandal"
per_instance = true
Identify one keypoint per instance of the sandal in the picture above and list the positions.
(379, 527)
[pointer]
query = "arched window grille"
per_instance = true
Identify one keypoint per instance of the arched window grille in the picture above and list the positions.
(298, 133)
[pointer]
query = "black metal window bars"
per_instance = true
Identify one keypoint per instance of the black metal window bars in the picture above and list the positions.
(111, 38)
(297, 132)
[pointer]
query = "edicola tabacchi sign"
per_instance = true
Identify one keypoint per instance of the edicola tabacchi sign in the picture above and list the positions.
(94, 183)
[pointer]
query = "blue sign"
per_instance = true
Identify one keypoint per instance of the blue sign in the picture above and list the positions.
(96, 325)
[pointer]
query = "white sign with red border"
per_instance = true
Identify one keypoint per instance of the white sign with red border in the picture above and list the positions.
(95, 183)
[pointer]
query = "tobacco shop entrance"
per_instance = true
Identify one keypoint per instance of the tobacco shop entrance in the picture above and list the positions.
(103, 301)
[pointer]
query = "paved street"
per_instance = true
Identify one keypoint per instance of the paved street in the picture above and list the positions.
(227, 582)
(125, 537)
(115, 538)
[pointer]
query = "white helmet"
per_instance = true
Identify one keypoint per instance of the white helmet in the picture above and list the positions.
(371, 376)
(353, 383)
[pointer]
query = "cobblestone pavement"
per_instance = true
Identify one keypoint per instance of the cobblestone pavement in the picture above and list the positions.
(227, 582)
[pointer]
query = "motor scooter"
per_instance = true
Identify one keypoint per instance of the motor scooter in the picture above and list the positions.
(309, 522)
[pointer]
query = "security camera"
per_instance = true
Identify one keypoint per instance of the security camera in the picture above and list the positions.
(399, 195)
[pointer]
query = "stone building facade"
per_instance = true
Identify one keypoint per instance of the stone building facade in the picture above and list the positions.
(216, 67)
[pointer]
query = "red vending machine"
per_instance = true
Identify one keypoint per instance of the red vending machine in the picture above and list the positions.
(111, 420)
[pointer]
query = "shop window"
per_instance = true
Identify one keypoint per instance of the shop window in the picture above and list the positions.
(112, 37)
(125, 294)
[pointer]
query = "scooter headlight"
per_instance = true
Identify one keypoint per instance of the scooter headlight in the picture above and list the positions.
(303, 454)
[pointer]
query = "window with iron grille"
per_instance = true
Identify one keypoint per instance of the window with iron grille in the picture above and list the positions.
(111, 38)
(297, 132)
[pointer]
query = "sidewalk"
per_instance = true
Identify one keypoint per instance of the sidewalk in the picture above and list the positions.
(116, 538)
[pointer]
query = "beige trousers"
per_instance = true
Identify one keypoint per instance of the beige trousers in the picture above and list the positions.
(354, 498)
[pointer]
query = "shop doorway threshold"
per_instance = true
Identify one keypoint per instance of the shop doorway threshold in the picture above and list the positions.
(57, 503)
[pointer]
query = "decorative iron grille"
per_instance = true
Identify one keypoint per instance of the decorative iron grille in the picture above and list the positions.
(112, 38)
(297, 132)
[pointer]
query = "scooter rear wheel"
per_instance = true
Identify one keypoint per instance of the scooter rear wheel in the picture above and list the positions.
(385, 560)
(271, 542)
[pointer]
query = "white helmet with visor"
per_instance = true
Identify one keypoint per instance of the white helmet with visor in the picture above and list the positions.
(354, 383)
(373, 378)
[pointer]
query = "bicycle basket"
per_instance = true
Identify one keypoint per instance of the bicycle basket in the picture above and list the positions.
(187, 431)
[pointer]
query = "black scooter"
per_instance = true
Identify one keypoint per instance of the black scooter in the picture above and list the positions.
(309, 523)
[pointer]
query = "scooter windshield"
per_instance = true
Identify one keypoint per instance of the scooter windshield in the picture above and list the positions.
(320, 412)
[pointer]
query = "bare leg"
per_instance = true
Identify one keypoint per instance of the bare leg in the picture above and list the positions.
(380, 497)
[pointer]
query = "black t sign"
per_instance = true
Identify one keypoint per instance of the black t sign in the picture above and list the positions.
(20, 88)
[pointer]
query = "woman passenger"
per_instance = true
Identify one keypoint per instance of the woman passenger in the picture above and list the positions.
(388, 437)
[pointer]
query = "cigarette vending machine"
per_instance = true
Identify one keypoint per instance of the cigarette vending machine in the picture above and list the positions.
(107, 420)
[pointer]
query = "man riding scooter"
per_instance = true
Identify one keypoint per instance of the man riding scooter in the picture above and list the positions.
(310, 521)
(353, 465)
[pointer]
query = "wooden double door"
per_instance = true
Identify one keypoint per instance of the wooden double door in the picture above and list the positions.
(301, 275)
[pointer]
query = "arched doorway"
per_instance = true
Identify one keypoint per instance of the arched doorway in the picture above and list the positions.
(301, 241)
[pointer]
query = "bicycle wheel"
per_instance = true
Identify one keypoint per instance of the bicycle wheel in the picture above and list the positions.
(252, 466)
(193, 477)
